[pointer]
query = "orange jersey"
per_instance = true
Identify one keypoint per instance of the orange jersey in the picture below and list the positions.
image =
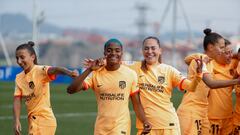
(156, 86)
(220, 100)
(237, 106)
(112, 90)
(196, 103)
(34, 88)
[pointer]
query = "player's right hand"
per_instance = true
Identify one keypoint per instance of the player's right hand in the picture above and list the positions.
(87, 63)
(17, 127)
(98, 63)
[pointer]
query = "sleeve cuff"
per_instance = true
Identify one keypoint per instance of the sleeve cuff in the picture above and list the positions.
(180, 85)
(51, 77)
(137, 91)
(85, 86)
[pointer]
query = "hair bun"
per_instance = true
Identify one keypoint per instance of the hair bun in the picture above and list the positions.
(207, 31)
(31, 43)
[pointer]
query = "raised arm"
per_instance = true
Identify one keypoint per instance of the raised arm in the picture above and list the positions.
(190, 85)
(16, 113)
(77, 84)
(137, 106)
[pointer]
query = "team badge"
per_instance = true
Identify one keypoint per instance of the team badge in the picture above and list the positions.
(161, 79)
(122, 84)
(31, 85)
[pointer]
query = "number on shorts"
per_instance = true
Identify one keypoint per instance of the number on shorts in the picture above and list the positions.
(199, 125)
(215, 128)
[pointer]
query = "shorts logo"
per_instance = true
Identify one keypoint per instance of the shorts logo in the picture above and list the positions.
(123, 132)
(31, 85)
(161, 79)
(122, 84)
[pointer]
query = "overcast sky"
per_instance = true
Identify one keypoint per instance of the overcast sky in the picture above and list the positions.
(121, 15)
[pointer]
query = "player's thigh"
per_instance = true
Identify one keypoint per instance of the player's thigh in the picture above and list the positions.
(36, 129)
(227, 127)
(190, 125)
(236, 130)
(174, 131)
(215, 126)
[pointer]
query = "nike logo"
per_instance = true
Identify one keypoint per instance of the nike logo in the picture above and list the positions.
(99, 85)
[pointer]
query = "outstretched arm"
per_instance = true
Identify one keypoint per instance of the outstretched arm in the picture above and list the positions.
(137, 106)
(214, 84)
(16, 113)
(63, 71)
(77, 84)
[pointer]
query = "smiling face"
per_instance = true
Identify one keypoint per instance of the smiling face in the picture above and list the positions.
(25, 60)
(151, 51)
(218, 48)
(113, 53)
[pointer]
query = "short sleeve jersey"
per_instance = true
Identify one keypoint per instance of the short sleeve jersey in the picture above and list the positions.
(196, 103)
(220, 100)
(34, 88)
(156, 86)
(112, 90)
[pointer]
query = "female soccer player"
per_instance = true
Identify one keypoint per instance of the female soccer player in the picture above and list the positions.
(32, 85)
(220, 112)
(113, 85)
(193, 110)
(156, 82)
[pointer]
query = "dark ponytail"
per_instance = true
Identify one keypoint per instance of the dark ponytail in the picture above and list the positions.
(29, 47)
(210, 38)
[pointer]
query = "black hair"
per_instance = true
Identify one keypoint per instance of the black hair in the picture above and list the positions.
(29, 47)
(144, 63)
(210, 38)
(227, 42)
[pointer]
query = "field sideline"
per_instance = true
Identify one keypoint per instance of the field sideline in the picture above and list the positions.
(75, 113)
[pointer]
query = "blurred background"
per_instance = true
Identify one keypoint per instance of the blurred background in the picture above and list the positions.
(67, 31)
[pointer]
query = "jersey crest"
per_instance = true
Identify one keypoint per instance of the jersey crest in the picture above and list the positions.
(161, 79)
(122, 84)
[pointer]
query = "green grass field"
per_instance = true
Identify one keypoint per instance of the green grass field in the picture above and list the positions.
(75, 113)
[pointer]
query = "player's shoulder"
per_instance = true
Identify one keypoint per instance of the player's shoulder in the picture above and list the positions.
(20, 75)
(165, 66)
(127, 69)
(41, 67)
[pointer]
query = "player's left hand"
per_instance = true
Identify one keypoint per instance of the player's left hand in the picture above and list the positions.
(74, 73)
(199, 65)
(146, 128)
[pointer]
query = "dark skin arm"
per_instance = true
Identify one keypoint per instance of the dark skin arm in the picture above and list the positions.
(77, 84)
(16, 113)
(137, 106)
